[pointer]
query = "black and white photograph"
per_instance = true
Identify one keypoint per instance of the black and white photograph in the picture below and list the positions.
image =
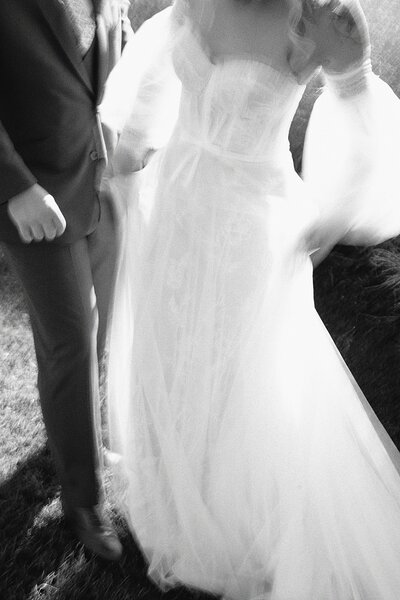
(200, 300)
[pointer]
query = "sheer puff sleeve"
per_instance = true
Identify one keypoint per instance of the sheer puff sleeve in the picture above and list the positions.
(141, 98)
(351, 152)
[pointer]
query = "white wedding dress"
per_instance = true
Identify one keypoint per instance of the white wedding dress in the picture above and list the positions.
(252, 465)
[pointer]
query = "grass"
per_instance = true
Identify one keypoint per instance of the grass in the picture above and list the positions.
(38, 557)
(358, 296)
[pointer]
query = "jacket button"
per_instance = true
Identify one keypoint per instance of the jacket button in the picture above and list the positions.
(93, 155)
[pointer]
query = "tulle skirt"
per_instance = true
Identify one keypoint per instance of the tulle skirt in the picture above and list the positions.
(252, 465)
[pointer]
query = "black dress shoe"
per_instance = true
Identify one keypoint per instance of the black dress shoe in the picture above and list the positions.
(94, 530)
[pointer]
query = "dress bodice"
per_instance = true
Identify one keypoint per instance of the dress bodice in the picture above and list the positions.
(236, 104)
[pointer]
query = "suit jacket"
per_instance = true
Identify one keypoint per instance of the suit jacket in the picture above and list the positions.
(50, 130)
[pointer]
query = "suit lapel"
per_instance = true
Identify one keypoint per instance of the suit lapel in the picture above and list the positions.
(54, 13)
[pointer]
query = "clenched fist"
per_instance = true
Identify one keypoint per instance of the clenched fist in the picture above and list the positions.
(36, 215)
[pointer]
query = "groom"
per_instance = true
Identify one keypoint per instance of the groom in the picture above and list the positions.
(55, 56)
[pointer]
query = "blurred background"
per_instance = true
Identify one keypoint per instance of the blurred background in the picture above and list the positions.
(357, 293)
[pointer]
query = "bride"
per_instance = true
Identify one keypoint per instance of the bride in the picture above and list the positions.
(252, 465)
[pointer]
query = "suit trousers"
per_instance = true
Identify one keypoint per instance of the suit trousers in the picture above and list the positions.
(68, 290)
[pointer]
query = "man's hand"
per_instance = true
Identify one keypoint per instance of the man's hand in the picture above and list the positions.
(36, 215)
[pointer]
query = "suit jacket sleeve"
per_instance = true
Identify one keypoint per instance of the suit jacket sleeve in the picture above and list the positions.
(15, 177)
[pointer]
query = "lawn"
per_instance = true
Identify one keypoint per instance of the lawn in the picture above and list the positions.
(358, 297)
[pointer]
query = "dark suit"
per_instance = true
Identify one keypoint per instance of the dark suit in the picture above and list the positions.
(50, 133)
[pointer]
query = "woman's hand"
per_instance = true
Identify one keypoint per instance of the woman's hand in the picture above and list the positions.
(339, 31)
(127, 152)
(128, 160)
